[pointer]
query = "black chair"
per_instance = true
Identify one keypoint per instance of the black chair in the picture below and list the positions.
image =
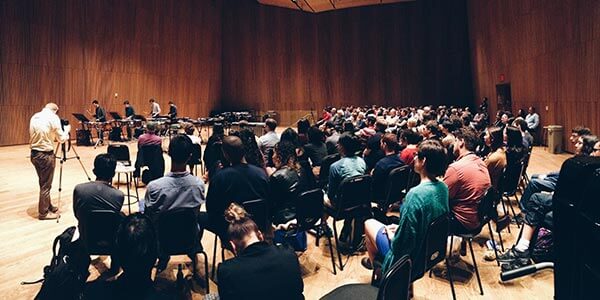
(396, 189)
(259, 211)
(509, 185)
(178, 234)
(324, 169)
(436, 240)
(309, 211)
(394, 285)
(353, 201)
(98, 231)
(524, 175)
(196, 160)
(120, 152)
(485, 209)
(152, 157)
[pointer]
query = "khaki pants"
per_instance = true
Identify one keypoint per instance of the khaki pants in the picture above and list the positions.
(44, 163)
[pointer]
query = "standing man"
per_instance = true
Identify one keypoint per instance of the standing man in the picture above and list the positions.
(532, 119)
(154, 108)
(129, 114)
(44, 128)
(172, 110)
(100, 116)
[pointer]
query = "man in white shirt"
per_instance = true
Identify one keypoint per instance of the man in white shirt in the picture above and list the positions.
(532, 119)
(268, 140)
(154, 108)
(44, 129)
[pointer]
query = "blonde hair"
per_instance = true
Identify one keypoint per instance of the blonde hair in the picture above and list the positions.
(240, 223)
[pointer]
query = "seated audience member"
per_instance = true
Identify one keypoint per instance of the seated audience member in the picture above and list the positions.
(515, 150)
(384, 166)
(177, 189)
(527, 137)
(315, 149)
(467, 179)
(268, 140)
(303, 125)
(349, 165)
(213, 156)
(369, 130)
(99, 194)
(253, 154)
(137, 249)
(332, 138)
(496, 159)
(423, 204)
(237, 183)
(373, 153)
(258, 270)
(150, 137)
(537, 206)
(189, 130)
(287, 182)
(431, 130)
(409, 139)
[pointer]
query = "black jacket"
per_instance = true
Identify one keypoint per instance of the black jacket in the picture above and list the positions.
(261, 271)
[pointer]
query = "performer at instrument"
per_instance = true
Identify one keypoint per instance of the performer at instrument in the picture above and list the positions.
(129, 114)
(100, 116)
(44, 128)
(154, 108)
(172, 110)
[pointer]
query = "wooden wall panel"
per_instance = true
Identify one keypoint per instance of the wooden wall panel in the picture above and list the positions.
(405, 54)
(71, 51)
(549, 52)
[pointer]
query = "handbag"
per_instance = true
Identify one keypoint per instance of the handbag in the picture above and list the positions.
(292, 237)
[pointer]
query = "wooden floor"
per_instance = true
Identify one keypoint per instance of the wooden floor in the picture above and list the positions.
(25, 242)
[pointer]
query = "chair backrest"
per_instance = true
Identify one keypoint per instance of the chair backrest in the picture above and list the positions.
(120, 152)
(436, 240)
(178, 231)
(309, 208)
(98, 230)
(196, 155)
(152, 157)
(324, 170)
(259, 210)
(487, 205)
(354, 193)
(396, 282)
(397, 185)
(511, 177)
(526, 159)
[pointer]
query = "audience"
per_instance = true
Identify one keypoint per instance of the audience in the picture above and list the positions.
(349, 165)
(316, 149)
(332, 138)
(254, 156)
(267, 141)
(213, 156)
(423, 204)
(258, 270)
(381, 172)
(409, 140)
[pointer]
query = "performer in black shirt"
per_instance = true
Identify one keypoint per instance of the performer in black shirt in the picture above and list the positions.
(172, 110)
(129, 114)
(100, 116)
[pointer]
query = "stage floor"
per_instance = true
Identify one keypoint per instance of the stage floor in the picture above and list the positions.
(25, 242)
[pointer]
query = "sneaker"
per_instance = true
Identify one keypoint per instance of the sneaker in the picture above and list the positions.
(514, 255)
(366, 262)
(49, 216)
(516, 264)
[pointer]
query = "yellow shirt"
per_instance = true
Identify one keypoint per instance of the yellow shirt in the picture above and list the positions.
(44, 129)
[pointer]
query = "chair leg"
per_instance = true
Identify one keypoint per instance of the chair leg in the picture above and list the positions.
(337, 245)
(332, 255)
(512, 209)
(475, 265)
(118, 180)
(451, 244)
(206, 271)
(214, 257)
(501, 242)
(317, 236)
(450, 278)
(494, 243)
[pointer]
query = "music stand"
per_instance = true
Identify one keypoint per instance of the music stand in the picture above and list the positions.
(115, 115)
(139, 117)
(82, 119)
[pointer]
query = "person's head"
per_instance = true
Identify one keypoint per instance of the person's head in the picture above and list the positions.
(151, 100)
(380, 126)
(329, 127)
(505, 118)
(104, 167)
(136, 245)
(218, 129)
(389, 143)
(270, 124)
(348, 145)
(577, 132)
(409, 137)
(531, 110)
(412, 123)
(348, 127)
(494, 137)
(596, 150)
(233, 149)
(431, 129)
(514, 138)
(521, 124)
(284, 154)
(431, 159)
(315, 135)
(242, 230)
(466, 141)
(52, 107)
(290, 135)
(151, 127)
(180, 149)
(371, 119)
(585, 145)
(126, 102)
(188, 128)
(303, 125)
(171, 102)
(95, 103)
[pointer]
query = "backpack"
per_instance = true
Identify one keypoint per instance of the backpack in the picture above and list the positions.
(67, 273)
(543, 249)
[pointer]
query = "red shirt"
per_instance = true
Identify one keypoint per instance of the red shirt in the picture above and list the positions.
(467, 180)
(149, 139)
(408, 155)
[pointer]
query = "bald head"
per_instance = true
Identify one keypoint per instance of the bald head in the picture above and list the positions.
(52, 106)
(233, 148)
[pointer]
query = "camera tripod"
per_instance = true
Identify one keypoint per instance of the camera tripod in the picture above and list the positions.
(63, 158)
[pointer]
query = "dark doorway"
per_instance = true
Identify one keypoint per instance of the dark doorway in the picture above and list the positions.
(504, 100)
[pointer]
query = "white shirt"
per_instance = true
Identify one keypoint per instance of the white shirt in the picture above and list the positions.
(44, 129)
(155, 109)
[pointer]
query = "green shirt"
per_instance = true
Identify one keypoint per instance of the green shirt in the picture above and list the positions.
(423, 204)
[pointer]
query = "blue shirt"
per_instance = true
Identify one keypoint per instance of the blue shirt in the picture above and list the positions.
(342, 169)
(174, 190)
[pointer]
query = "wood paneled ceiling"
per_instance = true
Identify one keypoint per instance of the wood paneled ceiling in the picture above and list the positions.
(317, 6)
